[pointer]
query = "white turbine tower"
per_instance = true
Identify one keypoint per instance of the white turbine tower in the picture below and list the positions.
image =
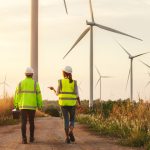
(131, 69)
(90, 28)
(4, 83)
(34, 36)
(100, 82)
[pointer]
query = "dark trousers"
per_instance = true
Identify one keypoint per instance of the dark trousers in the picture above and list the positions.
(69, 116)
(27, 114)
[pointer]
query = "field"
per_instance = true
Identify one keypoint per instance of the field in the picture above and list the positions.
(129, 122)
(126, 121)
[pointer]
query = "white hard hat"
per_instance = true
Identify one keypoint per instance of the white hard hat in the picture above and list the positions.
(68, 69)
(29, 70)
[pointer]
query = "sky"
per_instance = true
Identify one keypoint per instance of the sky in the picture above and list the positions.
(58, 32)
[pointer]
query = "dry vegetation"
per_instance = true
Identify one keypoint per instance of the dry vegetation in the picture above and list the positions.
(130, 122)
(6, 106)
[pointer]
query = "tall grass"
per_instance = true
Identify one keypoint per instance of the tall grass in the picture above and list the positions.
(128, 121)
(6, 105)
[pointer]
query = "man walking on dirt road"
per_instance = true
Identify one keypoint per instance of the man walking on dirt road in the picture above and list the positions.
(27, 98)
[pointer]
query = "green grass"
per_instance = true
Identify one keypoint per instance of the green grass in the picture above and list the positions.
(130, 122)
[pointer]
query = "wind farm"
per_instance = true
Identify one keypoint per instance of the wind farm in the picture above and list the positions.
(45, 13)
(90, 28)
(46, 43)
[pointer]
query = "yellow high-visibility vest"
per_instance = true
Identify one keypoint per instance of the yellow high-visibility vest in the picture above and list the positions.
(28, 95)
(67, 95)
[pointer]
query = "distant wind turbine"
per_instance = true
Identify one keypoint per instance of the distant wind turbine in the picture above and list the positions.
(131, 69)
(100, 82)
(4, 83)
(90, 28)
(79, 86)
(34, 36)
(148, 73)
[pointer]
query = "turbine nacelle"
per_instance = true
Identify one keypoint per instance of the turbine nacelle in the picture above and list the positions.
(90, 23)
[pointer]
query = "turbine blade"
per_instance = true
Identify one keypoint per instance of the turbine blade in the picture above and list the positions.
(128, 77)
(138, 95)
(145, 64)
(65, 6)
(91, 11)
(97, 71)
(78, 40)
(5, 79)
(115, 31)
(80, 88)
(124, 49)
(147, 84)
(106, 76)
(7, 84)
(97, 82)
(140, 54)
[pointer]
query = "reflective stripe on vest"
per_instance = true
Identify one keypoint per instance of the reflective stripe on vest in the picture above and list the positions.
(67, 93)
(27, 107)
(26, 91)
(66, 98)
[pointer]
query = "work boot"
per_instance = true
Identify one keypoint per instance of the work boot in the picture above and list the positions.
(24, 141)
(31, 139)
(67, 140)
(72, 138)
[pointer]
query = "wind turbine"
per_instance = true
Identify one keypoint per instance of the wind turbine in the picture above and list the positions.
(131, 57)
(100, 82)
(91, 24)
(4, 90)
(148, 73)
(34, 36)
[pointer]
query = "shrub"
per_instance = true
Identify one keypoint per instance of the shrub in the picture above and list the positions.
(52, 109)
(6, 107)
(130, 121)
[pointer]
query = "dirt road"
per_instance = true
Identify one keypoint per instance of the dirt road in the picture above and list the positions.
(50, 135)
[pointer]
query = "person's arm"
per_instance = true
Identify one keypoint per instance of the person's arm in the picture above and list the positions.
(52, 88)
(39, 96)
(58, 89)
(77, 93)
(79, 102)
(16, 99)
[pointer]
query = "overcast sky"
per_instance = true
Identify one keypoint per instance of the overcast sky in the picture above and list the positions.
(57, 33)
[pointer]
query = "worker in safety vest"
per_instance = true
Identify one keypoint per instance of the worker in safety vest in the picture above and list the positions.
(27, 99)
(67, 92)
